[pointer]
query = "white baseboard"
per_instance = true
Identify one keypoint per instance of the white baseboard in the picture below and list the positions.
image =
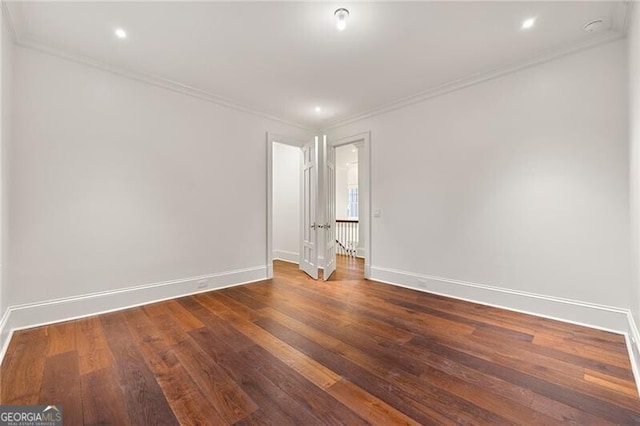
(287, 256)
(582, 313)
(633, 346)
(5, 333)
(608, 318)
(70, 308)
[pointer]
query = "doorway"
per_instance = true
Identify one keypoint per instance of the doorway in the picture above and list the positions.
(354, 154)
(284, 203)
(347, 201)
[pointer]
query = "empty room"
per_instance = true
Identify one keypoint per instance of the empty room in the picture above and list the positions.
(307, 213)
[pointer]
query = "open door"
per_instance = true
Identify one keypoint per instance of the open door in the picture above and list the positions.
(309, 233)
(330, 208)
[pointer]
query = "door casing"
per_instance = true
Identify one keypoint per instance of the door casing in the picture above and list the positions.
(363, 141)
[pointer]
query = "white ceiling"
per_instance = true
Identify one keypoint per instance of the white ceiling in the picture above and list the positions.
(284, 59)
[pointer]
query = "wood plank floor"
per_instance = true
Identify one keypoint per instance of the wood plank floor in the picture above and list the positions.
(293, 351)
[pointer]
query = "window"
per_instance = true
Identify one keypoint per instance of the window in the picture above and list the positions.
(352, 207)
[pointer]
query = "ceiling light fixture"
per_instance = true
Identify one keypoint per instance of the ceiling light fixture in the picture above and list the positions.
(120, 33)
(341, 15)
(594, 26)
(528, 23)
(318, 109)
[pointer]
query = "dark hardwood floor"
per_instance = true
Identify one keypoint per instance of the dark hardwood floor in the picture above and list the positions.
(293, 351)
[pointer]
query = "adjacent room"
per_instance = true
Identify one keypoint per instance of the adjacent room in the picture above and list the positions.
(297, 213)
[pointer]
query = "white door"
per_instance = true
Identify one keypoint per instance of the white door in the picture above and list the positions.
(330, 209)
(309, 231)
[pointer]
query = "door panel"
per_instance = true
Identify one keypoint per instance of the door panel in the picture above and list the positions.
(309, 231)
(330, 209)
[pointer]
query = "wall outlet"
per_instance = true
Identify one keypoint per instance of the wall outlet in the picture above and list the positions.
(202, 284)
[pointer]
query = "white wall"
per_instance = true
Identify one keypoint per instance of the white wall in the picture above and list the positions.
(520, 182)
(287, 163)
(117, 183)
(6, 89)
(634, 138)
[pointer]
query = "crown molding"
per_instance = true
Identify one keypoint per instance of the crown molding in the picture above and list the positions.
(476, 79)
(32, 43)
(621, 30)
(154, 80)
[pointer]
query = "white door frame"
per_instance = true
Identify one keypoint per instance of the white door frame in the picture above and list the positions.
(364, 188)
(271, 139)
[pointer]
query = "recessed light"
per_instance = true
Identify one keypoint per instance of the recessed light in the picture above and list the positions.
(353, 150)
(318, 109)
(528, 23)
(120, 33)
